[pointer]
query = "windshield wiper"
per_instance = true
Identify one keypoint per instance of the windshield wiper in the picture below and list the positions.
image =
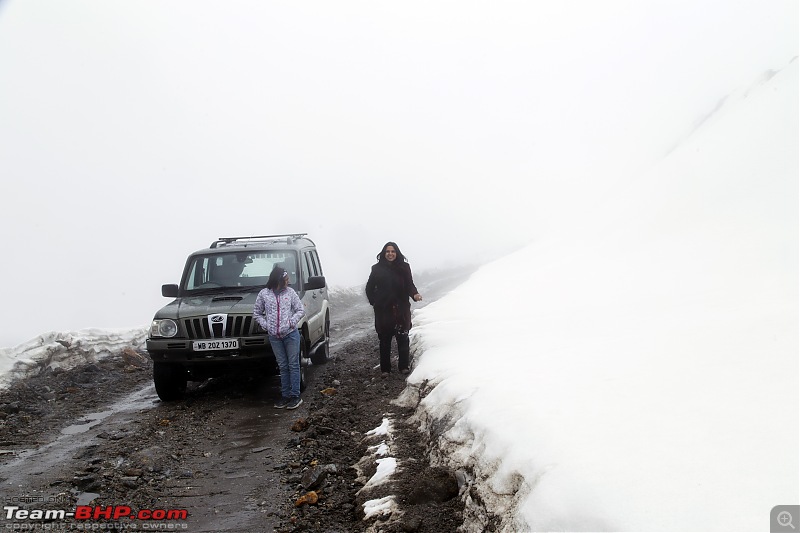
(200, 292)
(248, 288)
(217, 290)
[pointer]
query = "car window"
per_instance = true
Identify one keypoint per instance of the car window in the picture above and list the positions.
(312, 271)
(307, 267)
(317, 264)
(238, 269)
(198, 273)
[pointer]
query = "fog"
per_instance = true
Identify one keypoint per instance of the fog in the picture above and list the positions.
(133, 133)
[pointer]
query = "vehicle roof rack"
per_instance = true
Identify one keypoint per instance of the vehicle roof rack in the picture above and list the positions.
(230, 240)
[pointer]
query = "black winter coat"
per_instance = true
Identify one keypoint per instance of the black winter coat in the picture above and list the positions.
(389, 288)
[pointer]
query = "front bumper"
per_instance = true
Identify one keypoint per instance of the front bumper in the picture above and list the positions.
(179, 350)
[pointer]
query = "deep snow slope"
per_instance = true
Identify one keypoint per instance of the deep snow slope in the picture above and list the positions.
(642, 373)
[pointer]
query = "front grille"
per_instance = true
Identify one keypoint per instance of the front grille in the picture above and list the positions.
(235, 326)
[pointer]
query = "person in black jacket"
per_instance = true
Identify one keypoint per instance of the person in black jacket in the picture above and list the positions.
(389, 287)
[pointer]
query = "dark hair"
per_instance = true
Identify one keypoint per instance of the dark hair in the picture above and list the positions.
(382, 256)
(275, 281)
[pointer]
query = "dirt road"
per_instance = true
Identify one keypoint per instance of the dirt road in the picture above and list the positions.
(224, 459)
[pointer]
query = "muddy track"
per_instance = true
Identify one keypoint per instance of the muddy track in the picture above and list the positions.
(98, 435)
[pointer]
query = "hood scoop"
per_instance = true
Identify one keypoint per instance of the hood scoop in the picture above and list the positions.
(227, 299)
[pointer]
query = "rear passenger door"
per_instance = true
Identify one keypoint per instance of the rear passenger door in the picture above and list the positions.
(312, 300)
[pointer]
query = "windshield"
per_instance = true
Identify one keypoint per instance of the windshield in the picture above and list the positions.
(237, 269)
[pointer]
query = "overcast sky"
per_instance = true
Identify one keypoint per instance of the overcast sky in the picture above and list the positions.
(135, 132)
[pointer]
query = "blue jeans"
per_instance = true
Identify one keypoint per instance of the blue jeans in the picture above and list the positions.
(287, 354)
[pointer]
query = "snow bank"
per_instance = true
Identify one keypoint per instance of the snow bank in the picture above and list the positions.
(642, 375)
(65, 350)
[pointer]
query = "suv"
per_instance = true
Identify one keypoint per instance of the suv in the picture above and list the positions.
(209, 328)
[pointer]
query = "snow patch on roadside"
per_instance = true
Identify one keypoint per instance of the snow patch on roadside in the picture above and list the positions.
(379, 449)
(378, 458)
(386, 467)
(380, 507)
(383, 429)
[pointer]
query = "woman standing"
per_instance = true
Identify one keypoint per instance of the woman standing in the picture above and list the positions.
(389, 287)
(278, 309)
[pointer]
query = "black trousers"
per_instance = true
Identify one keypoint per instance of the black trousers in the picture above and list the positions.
(386, 350)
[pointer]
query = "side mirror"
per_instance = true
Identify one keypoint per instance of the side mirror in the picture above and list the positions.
(169, 290)
(315, 282)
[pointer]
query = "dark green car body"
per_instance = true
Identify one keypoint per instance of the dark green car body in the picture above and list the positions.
(209, 329)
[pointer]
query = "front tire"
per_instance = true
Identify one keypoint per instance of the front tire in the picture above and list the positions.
(170, 381)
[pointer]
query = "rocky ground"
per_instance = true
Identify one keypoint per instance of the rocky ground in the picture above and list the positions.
(224, 454)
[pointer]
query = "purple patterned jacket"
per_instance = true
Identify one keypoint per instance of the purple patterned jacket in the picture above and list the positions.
(278, 314)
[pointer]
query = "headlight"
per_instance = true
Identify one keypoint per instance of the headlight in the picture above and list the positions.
(163, 328)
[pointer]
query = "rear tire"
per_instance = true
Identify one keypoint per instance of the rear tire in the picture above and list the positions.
(303, 360)
(170, 381)
(322, 353)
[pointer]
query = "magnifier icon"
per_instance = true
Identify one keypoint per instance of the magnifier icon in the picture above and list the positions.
(785, 519)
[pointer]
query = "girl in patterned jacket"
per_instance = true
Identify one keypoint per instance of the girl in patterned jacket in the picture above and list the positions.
(278, 310)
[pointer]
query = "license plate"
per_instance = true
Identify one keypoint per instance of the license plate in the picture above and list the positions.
(205, 346)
